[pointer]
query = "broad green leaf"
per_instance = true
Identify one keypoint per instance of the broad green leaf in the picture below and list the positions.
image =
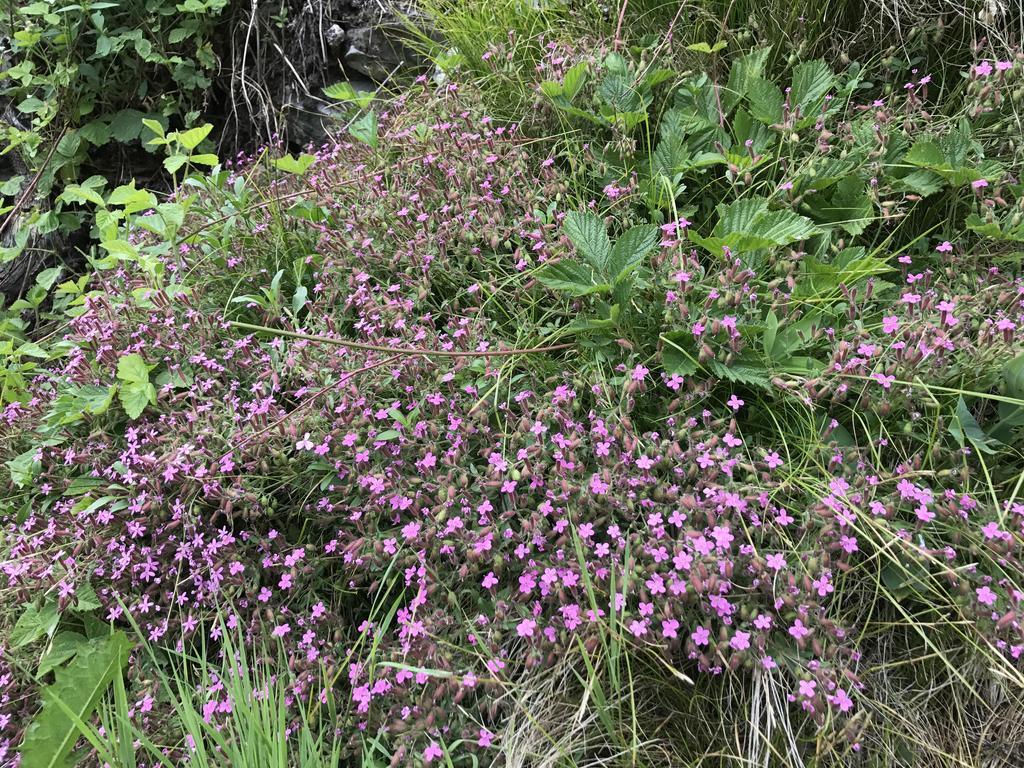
(965, 428)
(345, 92)
(135, 396)
(629, 251)
(925, 153)
(63, 646)
(703, 47)
(298, 165)
(78, 687)
(587, 233)
(126, 125)
(365, 129)
(132, 368)
(745, 70)
(766, 101)
(811, 81)
(173, 163)
(746, 369)
(193, 137)
(619, 93)
(921, 182)
(23, 467)
(1013, 375)
(575, 77)
(678, 355)
(205, 159)
(571, 277)
(33, 624)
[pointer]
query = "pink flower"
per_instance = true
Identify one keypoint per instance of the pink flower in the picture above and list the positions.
(700, 636)
(807, 688)
(432, 752)
(798, 630)
(986, 596)
(740, 641)
(984, 69)
(489, 580)
(526, 628)
(890, 324)
(485, 738)
(944, 247)
(639, 373)
(979, 183)
(841, 700)
(669, 627)
(734, 402)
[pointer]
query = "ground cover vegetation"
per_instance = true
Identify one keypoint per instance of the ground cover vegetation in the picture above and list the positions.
(637, 385)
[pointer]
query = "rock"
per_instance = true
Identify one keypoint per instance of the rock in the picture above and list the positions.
(378, 51)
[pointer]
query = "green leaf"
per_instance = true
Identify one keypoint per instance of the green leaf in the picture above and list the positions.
(677, 353)
(173, 163)
(193, 137)
(23, 467)
(771, 330)
(629, 251)
(746, 369)
(132, 368)
(574, 79)
(290, 164)
(135, 396)
(63, 646)
(571, 277)
(345, 92)
(921, 182)
(126, 125)
(925, 153)
(204, 159)
(586, 231)
(965, 428)
(745, 70)
(703, 47)
(766, 101)
(365, 129)
(72, 698)
(811, 81)
(33, 624)
(1013, 375)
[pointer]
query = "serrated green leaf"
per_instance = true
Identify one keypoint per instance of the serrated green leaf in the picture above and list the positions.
(586, 231)
(703, 47)
(629, 251)
(74, 695)
(571, 277)
(743, 72)
(921, 182)
(925, 153)
(811, 81)
(132, 368)
(173, 163)
(766, 101)
(135, 397)
(574, 79)
(744, 370)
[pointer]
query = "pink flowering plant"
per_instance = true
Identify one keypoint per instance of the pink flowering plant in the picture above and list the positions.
(725, 407)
